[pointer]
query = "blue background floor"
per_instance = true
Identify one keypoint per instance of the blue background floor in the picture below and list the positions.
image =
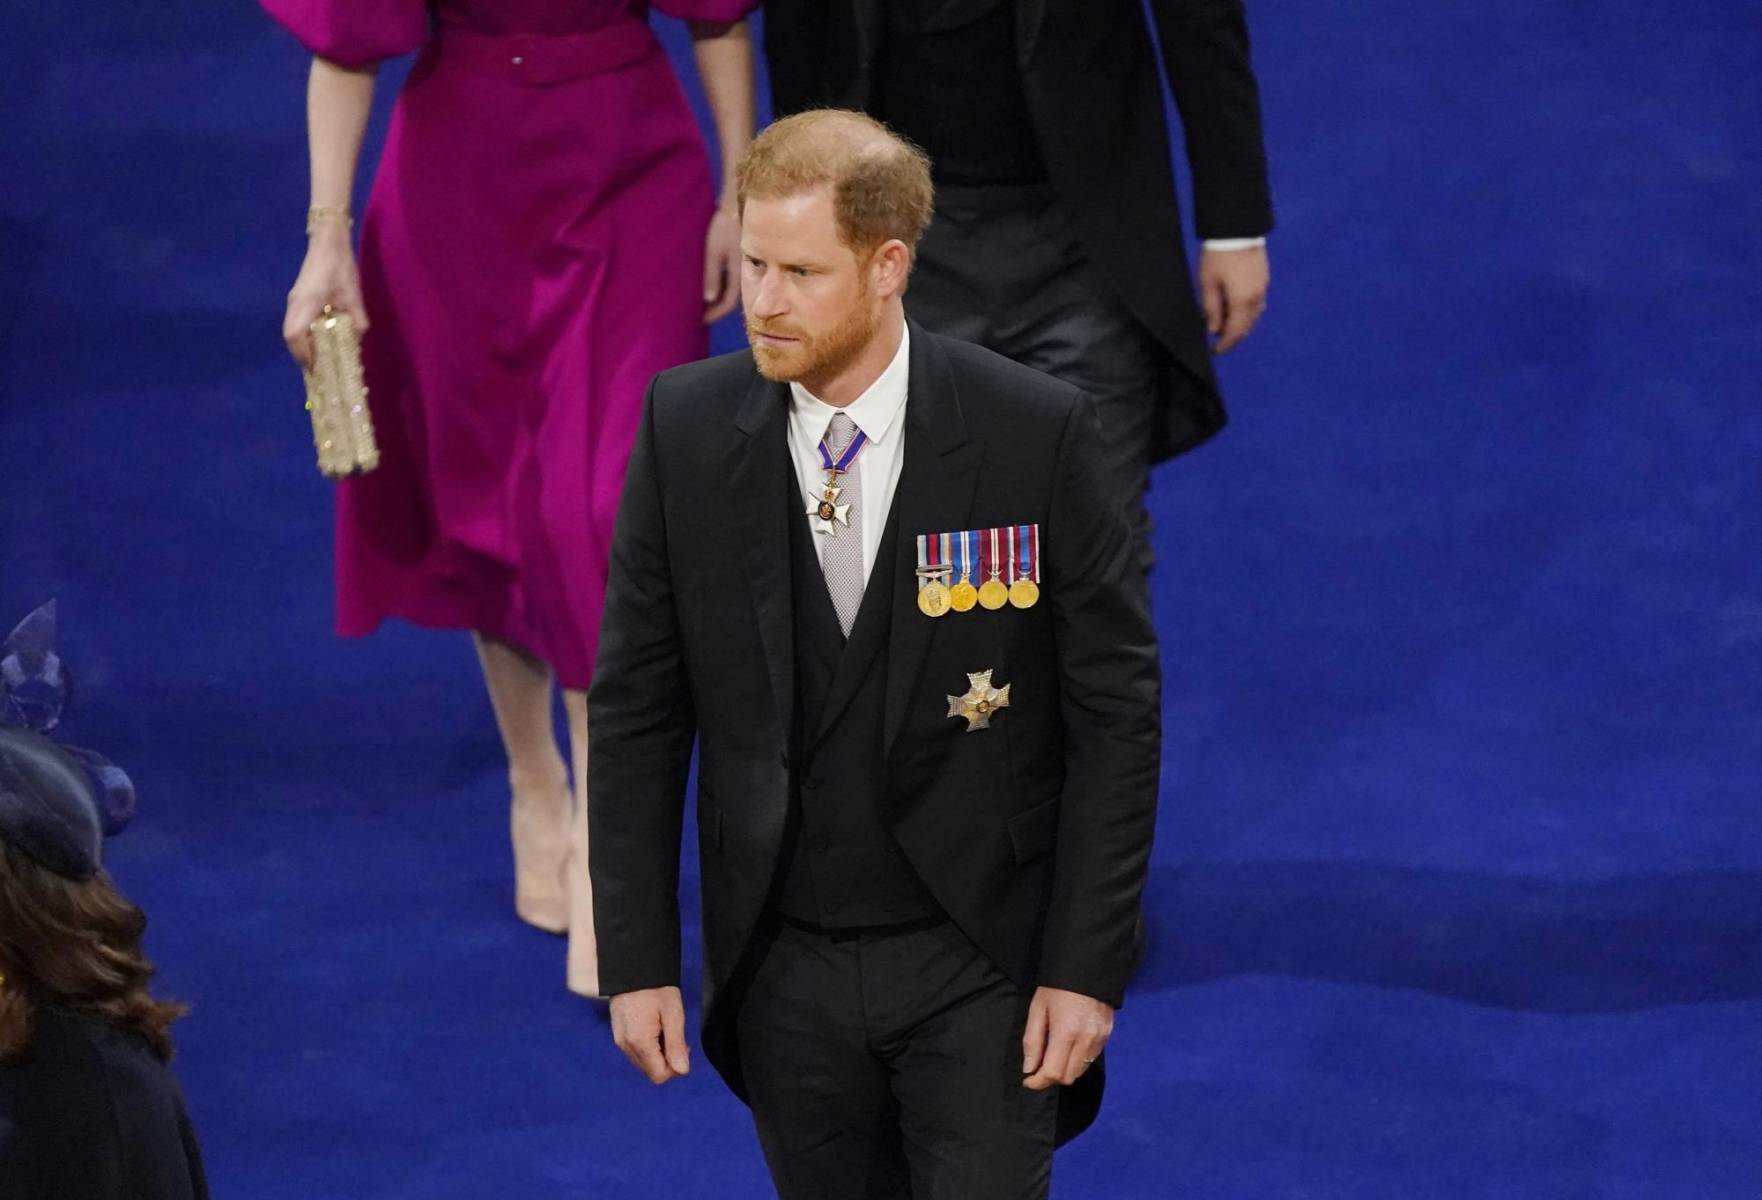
(1458, 883)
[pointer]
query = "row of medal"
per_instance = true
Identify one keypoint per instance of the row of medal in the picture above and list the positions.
(978, 568)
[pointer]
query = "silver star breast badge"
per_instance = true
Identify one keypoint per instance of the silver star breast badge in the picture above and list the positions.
(980, 702)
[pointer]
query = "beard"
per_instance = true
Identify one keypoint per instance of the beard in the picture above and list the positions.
(815, 357)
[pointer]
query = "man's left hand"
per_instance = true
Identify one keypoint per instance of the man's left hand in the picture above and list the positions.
(1233, 286)
(1066, 1032)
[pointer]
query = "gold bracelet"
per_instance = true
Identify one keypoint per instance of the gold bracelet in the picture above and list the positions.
(326, 212)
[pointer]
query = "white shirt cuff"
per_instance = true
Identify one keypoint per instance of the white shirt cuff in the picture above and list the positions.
(1253, 243)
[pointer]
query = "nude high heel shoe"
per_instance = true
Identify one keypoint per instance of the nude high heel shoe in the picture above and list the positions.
(538, 823)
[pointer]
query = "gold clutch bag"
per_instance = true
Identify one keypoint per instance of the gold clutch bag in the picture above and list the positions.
(336, 396)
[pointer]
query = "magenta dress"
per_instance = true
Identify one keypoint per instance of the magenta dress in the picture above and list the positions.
(531, 254)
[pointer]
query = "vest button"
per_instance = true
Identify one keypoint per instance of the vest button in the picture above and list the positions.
(819, 845)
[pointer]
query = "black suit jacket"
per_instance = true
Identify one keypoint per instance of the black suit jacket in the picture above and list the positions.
(1033, 835)
(1089, 73)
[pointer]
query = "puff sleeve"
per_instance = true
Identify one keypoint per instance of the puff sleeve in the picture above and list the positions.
(706, 10)
(354, 33)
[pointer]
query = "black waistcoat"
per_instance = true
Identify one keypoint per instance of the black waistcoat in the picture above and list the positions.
(840, 867)
(948, 79)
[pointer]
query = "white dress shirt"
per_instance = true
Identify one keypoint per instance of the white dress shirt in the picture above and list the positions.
(880, 414)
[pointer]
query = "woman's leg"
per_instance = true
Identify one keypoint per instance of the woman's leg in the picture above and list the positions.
(520, 691)
(584, 960)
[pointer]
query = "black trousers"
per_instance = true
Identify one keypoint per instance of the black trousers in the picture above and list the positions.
(1002, 267)
(887, 1065)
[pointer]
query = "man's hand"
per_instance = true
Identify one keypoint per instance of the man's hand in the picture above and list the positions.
(1066, 1032)
(1232, 284)
(649, 1026)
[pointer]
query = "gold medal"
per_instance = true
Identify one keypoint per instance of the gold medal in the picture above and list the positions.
(934, 598)
(993, 593)
(963, 595)
(1024, 565)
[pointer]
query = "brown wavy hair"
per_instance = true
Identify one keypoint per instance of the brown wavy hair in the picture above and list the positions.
(77, 944)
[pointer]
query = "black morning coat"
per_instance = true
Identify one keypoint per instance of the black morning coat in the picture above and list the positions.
(1090, 78)
(1033, 835)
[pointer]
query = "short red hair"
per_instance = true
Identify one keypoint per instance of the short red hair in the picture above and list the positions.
(880, 182)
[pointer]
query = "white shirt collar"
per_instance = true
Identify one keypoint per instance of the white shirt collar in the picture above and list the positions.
(875, 412)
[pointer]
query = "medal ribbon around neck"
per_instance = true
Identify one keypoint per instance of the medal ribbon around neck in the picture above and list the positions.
(826, 510)
(844, 460)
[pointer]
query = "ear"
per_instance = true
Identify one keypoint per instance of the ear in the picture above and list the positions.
(891, 264)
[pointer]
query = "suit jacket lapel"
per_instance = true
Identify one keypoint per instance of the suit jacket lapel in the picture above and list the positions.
(759, 475)
(935, 495)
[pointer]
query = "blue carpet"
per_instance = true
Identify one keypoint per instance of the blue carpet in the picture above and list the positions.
(1458, 885)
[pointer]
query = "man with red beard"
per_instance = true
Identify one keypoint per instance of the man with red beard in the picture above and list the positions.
(877, 575)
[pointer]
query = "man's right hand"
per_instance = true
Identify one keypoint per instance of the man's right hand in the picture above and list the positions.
(649, 1026)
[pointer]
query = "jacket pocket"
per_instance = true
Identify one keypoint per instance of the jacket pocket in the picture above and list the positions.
(1032, 833)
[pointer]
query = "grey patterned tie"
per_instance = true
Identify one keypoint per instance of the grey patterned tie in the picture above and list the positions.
(841, 552)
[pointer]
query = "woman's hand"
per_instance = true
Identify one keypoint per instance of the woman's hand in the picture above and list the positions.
(327, 276)
(721, 264)
(724, 54)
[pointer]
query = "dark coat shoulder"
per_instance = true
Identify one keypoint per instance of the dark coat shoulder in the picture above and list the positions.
(984, 377)
(704, 386)
(89, 1111)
